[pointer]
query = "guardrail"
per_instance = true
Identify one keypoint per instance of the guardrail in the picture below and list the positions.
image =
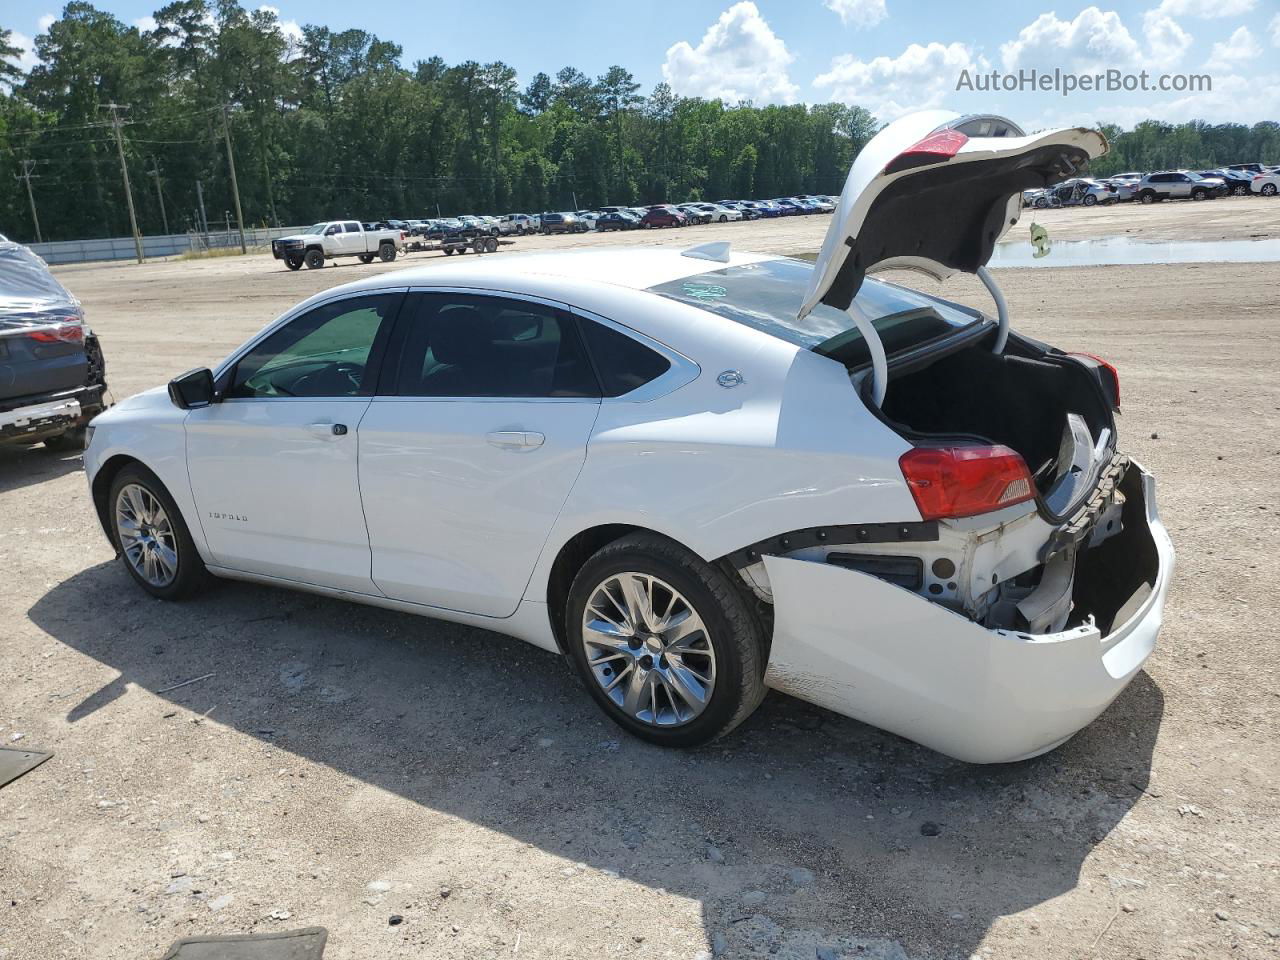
(167, 245)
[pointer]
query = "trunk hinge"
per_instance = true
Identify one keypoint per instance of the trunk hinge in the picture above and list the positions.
(879, 364)
(1002, 309)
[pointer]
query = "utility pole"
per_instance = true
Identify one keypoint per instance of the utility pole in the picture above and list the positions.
(235, 188)
(155, 172)
(203, 223)
(124, 174)
(27, 165)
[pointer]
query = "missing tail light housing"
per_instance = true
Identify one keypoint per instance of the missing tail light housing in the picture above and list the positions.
(1110, 377)
(949, 482)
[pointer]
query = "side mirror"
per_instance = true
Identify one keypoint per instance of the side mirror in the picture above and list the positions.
(192, 389)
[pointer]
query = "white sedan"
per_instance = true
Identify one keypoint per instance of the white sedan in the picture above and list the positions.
(698, 475)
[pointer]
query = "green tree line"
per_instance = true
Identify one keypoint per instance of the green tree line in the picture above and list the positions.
(334, 124)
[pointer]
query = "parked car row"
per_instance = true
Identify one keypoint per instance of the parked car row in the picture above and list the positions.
(663, 215)
(1239, 180)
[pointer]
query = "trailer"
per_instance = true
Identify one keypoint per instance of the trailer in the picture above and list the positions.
(460, 242)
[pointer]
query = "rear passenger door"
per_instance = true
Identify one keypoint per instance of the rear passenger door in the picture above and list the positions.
(353, 238)
(472, 446)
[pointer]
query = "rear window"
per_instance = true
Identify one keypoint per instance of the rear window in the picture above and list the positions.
(767, 296)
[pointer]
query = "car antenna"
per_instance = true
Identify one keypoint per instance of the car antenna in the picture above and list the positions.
(717, 251)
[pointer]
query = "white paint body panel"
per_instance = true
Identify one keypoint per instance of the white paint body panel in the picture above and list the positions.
(454, 519)
(867, 180)
(875, 652)
(277, 493)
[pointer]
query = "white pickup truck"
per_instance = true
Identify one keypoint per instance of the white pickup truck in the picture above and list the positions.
(337, 238)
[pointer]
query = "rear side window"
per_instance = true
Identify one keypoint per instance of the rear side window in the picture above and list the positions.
(458, 345)
(623, 364)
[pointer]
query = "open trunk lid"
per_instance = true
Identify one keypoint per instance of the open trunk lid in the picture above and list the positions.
(934, 191)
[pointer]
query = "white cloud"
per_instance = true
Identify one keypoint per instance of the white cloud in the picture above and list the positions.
(739, 58)
(46, 21)
(1166, 41)
(290, 28)
(918, 78)
(1096, 40)
(27, 59)
(1207, 11)
(1230, 53)
(1275, 30)
(146, 24)
(859, 13)
(1092, 40)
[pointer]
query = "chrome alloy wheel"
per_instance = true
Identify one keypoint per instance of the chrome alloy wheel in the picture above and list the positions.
(648, 649)
(146, 535)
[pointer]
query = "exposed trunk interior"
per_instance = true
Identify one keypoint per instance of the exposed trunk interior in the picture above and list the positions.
(1020, 398)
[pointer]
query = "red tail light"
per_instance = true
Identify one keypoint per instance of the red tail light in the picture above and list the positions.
(1108, 371)
(63, 333)
(963, 481)
(934, 148)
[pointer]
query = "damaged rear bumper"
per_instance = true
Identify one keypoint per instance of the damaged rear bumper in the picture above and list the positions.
(878, 653)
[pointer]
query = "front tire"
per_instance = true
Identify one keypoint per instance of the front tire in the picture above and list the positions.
(1090, 200)
(366, 258)
(669, 647)
(151, 537)
(293, 262)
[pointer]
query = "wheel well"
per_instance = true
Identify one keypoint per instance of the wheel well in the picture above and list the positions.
(102, 487)
(576, 551)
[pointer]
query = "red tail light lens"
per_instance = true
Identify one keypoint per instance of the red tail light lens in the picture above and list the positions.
(934, 148)
(963, 481)
(62, 333)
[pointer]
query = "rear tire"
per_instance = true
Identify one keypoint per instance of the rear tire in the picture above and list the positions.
(314, 259)
(1268, 190)
(728, 648)
(189, 574)
(1147, 196)
(386, 252)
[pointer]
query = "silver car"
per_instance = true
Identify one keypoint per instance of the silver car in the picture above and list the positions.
(1178, 185)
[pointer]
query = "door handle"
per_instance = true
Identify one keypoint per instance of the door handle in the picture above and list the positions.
(515, 439)
(327, 431)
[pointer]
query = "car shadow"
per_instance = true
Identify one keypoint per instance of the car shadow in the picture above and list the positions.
(801, 829)
(23, 466)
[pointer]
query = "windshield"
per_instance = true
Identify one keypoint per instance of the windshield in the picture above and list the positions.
(767, 296)
(317, 228)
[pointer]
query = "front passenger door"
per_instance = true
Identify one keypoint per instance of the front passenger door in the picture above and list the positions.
(273, 464)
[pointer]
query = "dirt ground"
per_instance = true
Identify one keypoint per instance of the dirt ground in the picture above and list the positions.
(345, 766)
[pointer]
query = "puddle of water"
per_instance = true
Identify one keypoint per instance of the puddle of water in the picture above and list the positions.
(1127, 251)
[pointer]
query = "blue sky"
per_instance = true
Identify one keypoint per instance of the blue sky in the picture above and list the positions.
(887, 55)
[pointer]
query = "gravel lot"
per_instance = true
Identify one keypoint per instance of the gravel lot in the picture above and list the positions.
(347, 766)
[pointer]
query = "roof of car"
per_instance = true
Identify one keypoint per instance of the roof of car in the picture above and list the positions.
(635, 268)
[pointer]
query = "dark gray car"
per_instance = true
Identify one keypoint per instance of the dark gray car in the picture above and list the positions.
(52, 376)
